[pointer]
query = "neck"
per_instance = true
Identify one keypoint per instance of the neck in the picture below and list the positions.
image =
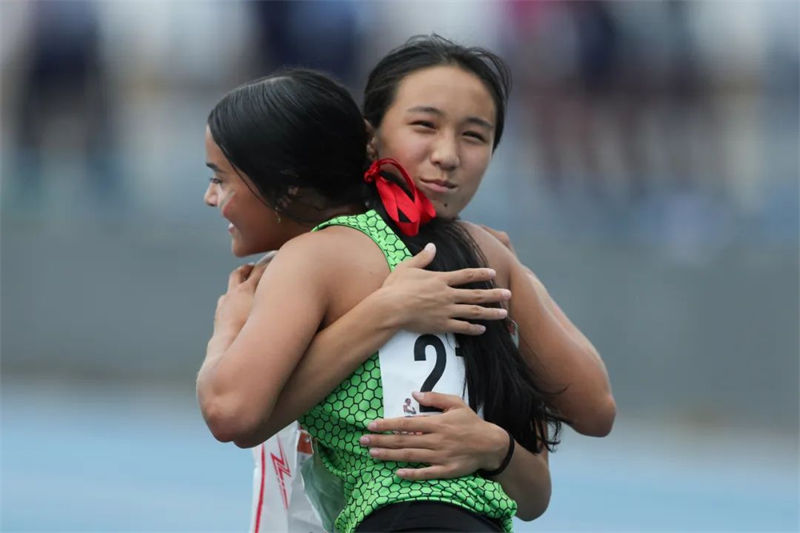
(352, 209)
(313, 217)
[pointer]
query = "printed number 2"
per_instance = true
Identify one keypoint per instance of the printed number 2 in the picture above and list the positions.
(438, 368)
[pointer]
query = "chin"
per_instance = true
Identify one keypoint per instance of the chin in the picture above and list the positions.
(238, 250)
(441, 210)
(445, 213)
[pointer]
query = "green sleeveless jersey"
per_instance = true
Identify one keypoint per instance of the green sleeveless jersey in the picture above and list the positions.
(341, 419)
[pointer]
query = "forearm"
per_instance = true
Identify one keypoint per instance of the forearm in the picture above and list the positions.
(247, 365)
(215, 351)
(209, 388)
(334, 354)
(566, 361)
(526, 479)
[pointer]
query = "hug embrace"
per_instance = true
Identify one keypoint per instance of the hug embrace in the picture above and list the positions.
(381, 305)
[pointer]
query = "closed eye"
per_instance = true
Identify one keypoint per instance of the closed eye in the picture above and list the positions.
(215, 180)
(423, 123)
(475, 135)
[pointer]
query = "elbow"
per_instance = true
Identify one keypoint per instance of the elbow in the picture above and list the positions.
(227, 423)
(531, 510)
(248, 441)
(600, 421)
(605, 417)
(532, 513)
(220, 420)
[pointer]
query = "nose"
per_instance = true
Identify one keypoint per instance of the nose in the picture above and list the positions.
(210, 197)
(445, 152)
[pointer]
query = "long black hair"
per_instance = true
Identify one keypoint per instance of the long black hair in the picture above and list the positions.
(295, 128)
(498, 379)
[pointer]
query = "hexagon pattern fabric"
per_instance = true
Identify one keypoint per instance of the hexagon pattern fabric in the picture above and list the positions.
(339, 421)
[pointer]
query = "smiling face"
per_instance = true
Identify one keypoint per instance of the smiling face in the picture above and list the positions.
(440, 127)
(253, 226)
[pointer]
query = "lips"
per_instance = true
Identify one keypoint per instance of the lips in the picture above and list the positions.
(438, 186)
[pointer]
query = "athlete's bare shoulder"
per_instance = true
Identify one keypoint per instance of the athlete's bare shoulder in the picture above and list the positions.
(499, 257)
(347, 262)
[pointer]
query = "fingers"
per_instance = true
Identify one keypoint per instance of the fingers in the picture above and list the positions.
(404, 455)
(256, 273)
(395, 441)
(477, 312)
(445, 402)
(469, 275)
(249, 273)
(429, 472)
(422, 259)
(239, 275)
(408, 424)
(464, 328)
(481, 296)
(266, 258)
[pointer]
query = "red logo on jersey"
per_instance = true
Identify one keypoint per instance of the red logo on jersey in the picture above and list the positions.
(304, 443)
(281, 468)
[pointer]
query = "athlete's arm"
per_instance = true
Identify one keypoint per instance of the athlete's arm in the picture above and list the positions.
(456, 443)
(247, 364)
(411, 298)
(559, 353)
(526, 479)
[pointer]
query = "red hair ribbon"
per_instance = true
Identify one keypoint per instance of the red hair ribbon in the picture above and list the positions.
(409, 209)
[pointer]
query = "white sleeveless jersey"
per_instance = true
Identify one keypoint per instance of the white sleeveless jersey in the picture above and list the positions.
(280, 503)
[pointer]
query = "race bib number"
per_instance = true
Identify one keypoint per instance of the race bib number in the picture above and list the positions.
(413, 362)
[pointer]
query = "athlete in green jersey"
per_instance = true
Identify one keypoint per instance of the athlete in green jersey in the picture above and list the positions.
(341, 419)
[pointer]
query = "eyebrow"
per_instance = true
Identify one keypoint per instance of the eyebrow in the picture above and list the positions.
(214, 167)
(430, 109)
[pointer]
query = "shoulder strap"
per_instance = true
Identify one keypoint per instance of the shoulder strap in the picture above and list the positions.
(373, 226)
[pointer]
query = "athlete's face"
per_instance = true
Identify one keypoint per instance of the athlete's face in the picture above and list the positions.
(253, 226)
(440, 127)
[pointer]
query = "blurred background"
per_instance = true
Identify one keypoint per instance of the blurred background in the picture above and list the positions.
(648, 175)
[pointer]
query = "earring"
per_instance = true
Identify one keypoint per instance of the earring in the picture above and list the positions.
(278, 216)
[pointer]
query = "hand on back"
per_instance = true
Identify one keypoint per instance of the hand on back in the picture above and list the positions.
(431, 302)
(455, 443)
